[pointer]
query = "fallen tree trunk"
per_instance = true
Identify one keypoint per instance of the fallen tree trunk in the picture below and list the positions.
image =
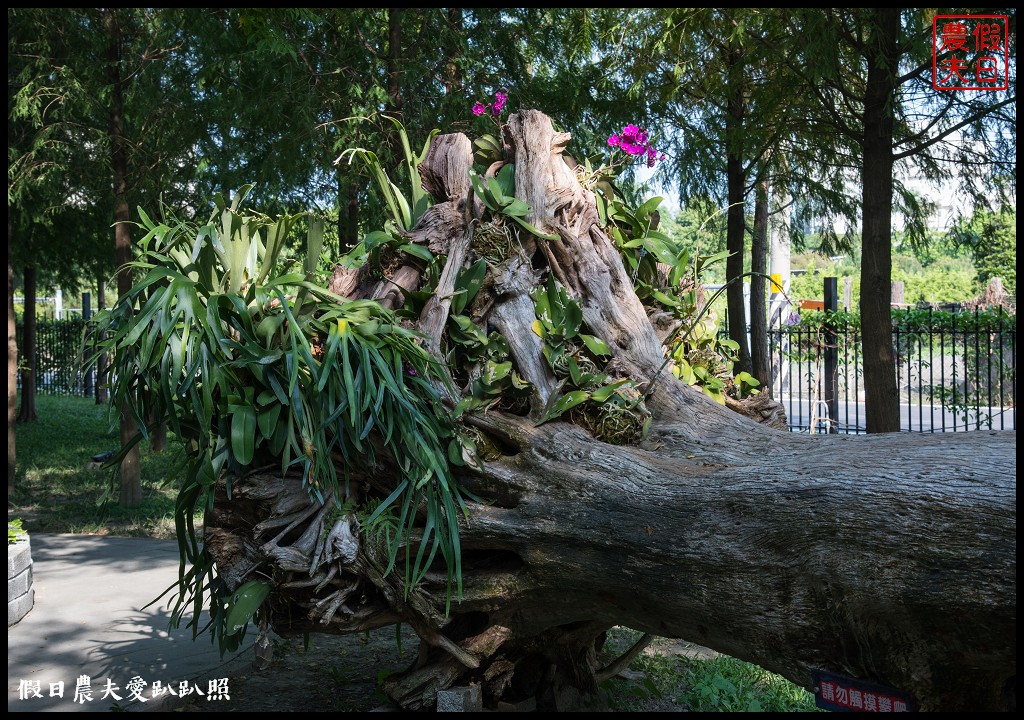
(894, 561)
(889, 558)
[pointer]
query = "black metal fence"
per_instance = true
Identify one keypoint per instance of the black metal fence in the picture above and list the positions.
(60, 361)
(955, 372)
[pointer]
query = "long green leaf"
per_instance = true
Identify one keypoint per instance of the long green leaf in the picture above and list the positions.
(276, 236)
(245, 601)
(482, 192)
(417, 251)
(243, 433)
(467, 284)
(532, 229)
(595, 344)
(267, 420)
(506, 179)
(606, 391)
(566, 402)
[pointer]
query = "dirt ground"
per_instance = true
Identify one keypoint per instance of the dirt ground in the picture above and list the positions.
(336, 673)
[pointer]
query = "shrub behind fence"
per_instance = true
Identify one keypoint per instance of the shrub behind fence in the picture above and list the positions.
(956, 370)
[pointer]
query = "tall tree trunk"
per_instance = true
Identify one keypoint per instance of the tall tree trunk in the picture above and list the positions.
(452, 76)
(779, 251)
(157, 435)
(348, 208)
(891, 559)
(779, 266)
(736, 181)
(101, 361)
(758, 288)
(394, 69)
(12, 368)
(157, 430)
(881, 393)
(28, 339)
(131, 466)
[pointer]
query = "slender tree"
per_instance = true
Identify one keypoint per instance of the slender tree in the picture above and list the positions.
(131, 462)
(394, 62)
(881, 52)
(736, 184)
(991, 237)
(30, 167)
(12, 371)
(101, 361)
(27, 413)
(759, 356)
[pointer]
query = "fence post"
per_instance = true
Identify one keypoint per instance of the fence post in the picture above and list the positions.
(897, 293)
(86, 314)
(831, 380)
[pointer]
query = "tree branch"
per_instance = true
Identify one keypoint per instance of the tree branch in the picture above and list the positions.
(946, 133)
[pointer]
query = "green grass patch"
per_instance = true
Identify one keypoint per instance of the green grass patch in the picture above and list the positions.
(58, 489)
(670, 673)
(725, 684)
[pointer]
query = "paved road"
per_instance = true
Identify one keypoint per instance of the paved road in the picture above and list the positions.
(913, 417)
(90, 619)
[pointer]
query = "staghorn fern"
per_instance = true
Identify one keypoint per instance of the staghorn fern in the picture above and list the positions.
(251, 365)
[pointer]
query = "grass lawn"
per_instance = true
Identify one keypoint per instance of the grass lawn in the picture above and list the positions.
(56, 490)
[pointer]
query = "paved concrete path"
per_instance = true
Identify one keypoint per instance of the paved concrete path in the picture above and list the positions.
(90, 619)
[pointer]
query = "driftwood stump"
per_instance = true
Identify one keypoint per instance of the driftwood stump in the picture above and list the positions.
(889, 558)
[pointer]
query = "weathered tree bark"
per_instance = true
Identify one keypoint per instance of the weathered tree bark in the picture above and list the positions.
(888, 558)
